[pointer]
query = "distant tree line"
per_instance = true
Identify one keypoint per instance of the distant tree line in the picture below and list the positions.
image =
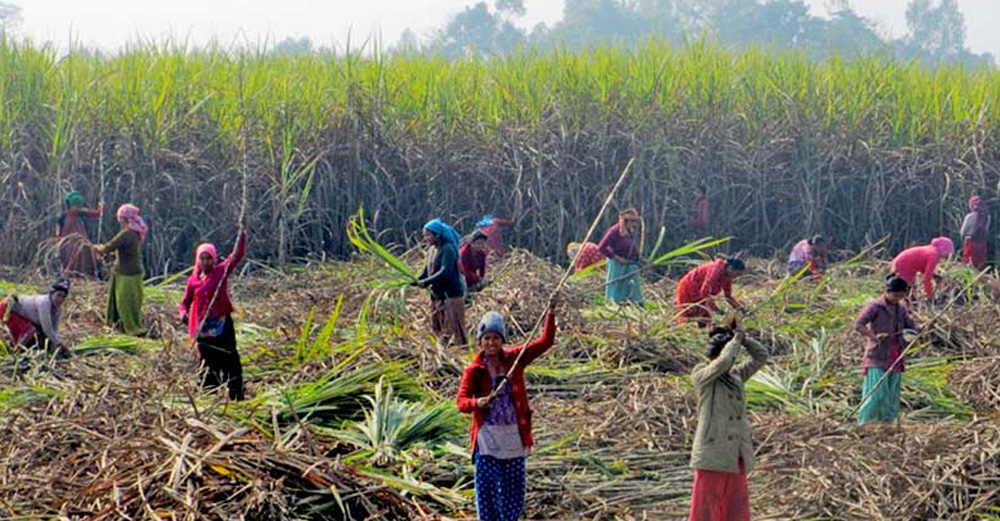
(935, 29)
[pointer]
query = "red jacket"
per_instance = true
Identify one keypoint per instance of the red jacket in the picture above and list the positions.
(472, 264)
(700, 284)
(476, 382)
(199, 291)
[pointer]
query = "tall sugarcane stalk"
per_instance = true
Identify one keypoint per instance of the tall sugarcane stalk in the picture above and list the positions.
(565, 276)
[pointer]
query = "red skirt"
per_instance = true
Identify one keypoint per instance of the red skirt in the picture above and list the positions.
(720, 496)
(22, 331)
(974, 253)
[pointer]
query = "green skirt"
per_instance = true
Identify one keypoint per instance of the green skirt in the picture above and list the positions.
(125, 303)
(623, 283)
(883, 404)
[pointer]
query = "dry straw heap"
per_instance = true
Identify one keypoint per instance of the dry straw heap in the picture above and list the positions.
(351, 411)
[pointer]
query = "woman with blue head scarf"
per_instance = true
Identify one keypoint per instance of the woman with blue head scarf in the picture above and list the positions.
(443, 277)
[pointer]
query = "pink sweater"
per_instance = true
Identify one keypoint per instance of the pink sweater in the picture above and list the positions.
(918, 259)
(202, 287)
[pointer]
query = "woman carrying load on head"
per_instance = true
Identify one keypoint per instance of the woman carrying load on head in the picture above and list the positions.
(882, 322)
(125, 292)
(922, 259)
(212, 328)
(722, 452)
(975, 234)
(501, 427)
(493, 228)
(696, 290)
(34, 320)
(809, 254)
(619, 246)
(75, 255)
(443, 276)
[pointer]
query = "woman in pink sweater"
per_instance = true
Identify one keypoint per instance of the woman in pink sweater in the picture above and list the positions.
(922, 259)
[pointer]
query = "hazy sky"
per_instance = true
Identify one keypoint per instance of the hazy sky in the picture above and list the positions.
(109, 23)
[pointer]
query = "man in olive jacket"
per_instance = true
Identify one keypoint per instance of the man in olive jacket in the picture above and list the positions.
(723, 451)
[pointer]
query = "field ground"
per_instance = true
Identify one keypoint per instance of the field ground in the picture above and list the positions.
(123, 430)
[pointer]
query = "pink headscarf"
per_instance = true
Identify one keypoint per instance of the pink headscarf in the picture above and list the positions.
(944, 246)
(975, 202)
(128, 215)
(204, 248)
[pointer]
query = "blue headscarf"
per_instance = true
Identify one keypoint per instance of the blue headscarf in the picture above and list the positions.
(442, 230)
(485, 221)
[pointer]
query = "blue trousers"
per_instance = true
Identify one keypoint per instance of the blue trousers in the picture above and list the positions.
(500, 487)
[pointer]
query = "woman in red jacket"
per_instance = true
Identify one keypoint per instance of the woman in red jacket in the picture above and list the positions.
(696, 290)
(212, 329)
(501, 427)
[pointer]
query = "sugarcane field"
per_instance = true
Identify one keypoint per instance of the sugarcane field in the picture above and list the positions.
(646, 280)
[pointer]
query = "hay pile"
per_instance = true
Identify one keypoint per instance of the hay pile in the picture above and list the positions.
(129, 433)
(827, 468)
(107, 441)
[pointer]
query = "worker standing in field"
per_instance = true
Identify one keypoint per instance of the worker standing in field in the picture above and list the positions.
(472, 262)
(701, 216)
(124, 309)
(809, 254)
(722, 452)
(501, 426)
(922, 260)
(975, 234)
(493, 228)
(33, 320)
(75, 255)
(619, 246)
(696, 290)
(443, 276)
(590, 254)
(212, 329)
(882, 322)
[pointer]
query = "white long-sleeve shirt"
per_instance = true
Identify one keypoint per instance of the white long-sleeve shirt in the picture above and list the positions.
(38, 310)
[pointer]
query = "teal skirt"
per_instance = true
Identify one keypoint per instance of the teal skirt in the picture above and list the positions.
(883, 404)
(623, 283)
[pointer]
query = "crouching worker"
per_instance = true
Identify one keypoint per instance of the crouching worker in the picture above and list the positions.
(472, 263)
(501, 426)
(723, 452)
(33, 320)
(212, 328)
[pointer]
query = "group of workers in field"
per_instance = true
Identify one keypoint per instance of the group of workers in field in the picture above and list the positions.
(492, 388)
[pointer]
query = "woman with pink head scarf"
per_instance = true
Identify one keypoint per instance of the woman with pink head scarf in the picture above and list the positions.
(125, 294)
(207, 309)
(922, 259)
(975, 233)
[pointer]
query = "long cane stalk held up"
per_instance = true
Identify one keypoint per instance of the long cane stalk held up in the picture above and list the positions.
(565, 276)
(242, 222)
